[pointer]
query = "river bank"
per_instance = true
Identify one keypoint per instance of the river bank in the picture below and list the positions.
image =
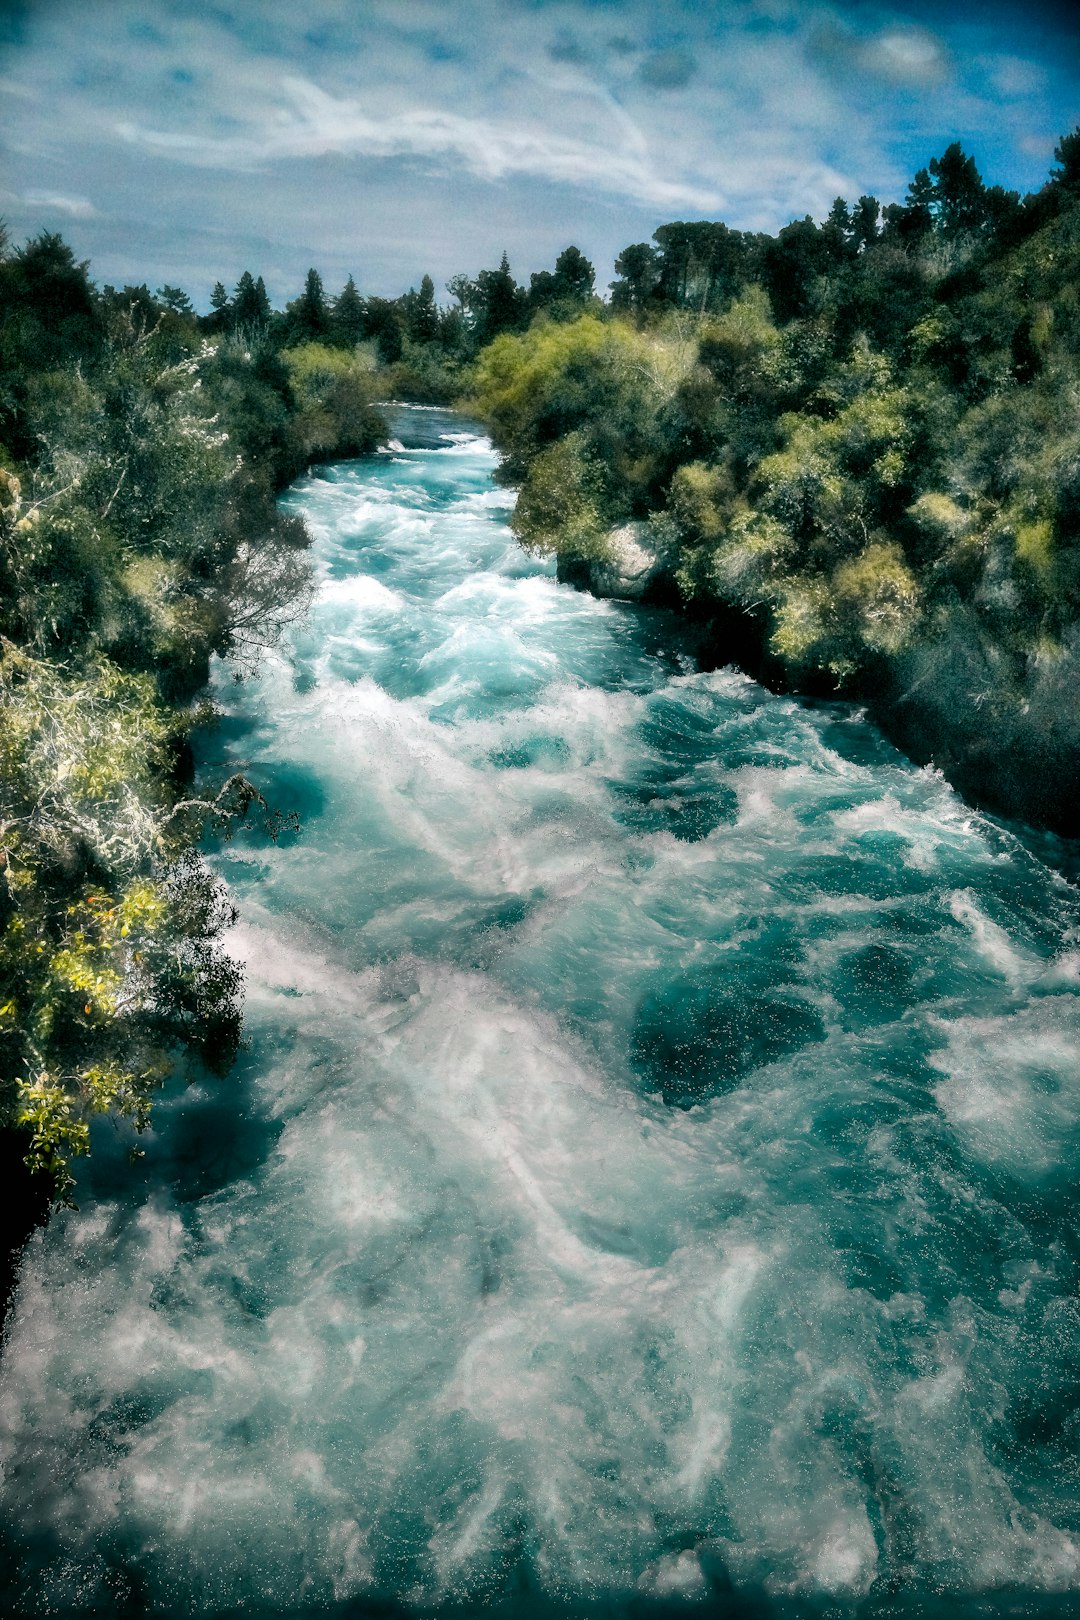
(1019, 769)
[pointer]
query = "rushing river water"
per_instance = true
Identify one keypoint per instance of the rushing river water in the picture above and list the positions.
(653, 1170)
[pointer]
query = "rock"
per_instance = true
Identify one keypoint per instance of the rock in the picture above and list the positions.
(636, 563)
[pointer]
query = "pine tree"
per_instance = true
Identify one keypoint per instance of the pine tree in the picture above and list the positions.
(348, 318)
(959, 193)
(251, 306)
(220, 309)
(501, 301)
(864, 222)
(309, 318)
(423, 315)
(574, 275)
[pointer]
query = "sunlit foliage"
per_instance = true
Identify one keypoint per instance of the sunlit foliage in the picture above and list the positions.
(140, 458)
(861, 433)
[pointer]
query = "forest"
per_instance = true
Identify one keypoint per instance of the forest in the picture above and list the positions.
(852, 449)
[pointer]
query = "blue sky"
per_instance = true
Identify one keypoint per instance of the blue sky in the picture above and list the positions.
(187, 140)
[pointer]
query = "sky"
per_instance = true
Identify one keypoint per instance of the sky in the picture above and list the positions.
(183, 141)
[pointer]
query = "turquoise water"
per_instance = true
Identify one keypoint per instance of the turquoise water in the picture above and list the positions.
(653, 1172)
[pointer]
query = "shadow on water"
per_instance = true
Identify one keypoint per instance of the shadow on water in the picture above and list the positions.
(702, 1033)
(25, 1207)
(523, 1601)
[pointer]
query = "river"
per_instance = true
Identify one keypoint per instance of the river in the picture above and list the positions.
(653, 1167)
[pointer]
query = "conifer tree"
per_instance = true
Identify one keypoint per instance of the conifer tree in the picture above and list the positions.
(220, 309)
(251, 306)
(347, 319)
(309, 318)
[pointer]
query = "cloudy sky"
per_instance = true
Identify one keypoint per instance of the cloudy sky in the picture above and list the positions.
(186, 140)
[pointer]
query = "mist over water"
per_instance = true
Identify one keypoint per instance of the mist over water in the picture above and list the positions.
(653, 1170)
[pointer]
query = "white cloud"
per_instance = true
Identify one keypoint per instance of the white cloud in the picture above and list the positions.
(492, 149)
(54, 202)
(908, 56)
(22, 92)
(1014, 76)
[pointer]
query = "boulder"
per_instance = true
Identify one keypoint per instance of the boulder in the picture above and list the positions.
(636, 563)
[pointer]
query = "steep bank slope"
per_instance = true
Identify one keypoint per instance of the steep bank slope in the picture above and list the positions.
(886, 483)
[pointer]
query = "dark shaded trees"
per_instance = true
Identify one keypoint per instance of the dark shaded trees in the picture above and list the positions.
(638, 269)
(497, 303)
(250, 303)
(347, 320)
(307, 318)
(421, 314)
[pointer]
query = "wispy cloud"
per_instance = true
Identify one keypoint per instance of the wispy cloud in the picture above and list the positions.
(21, 92)
(902, 54)
(319, 123)
(54, 202)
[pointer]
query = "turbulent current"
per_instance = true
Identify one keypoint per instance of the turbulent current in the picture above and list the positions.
(652, 1173)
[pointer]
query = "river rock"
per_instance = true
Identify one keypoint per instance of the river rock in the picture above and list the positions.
(636, 563)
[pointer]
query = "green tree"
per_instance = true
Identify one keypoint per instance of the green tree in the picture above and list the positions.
(959, 196)
(177, 300)
(498, 302)
(837, 229)
(347, 318)
(220, 317)
(792, 266)
(574, 275)
(383, 322)
(865, 218)
(1065, 175)
(421, 313)
(307, 316)
(638, 268)
(250, 303)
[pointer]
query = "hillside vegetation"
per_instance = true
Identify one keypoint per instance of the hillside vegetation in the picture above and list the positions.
(860, 436)
(140, 458)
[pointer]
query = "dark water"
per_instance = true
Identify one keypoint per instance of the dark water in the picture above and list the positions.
(652, 1179)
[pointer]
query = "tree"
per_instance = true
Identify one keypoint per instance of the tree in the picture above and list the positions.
(250, 305)
(1066, 173)
(421, 313)
(864, 223)
(177, 300)
(574, 275)
(837, 229)
(383, 323)
(499, 302)
(220, 317)
(793, 263)
(308, 316)
(959, 196)
(638, 269)
(347, 317)
(461, 288)
(567, 288)
(916, 218)
(49, 300)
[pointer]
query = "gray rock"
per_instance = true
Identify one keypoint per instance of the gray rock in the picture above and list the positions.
(636, 563)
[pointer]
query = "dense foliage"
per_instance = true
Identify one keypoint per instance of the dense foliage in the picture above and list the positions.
(140, 458)
(864, 435)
